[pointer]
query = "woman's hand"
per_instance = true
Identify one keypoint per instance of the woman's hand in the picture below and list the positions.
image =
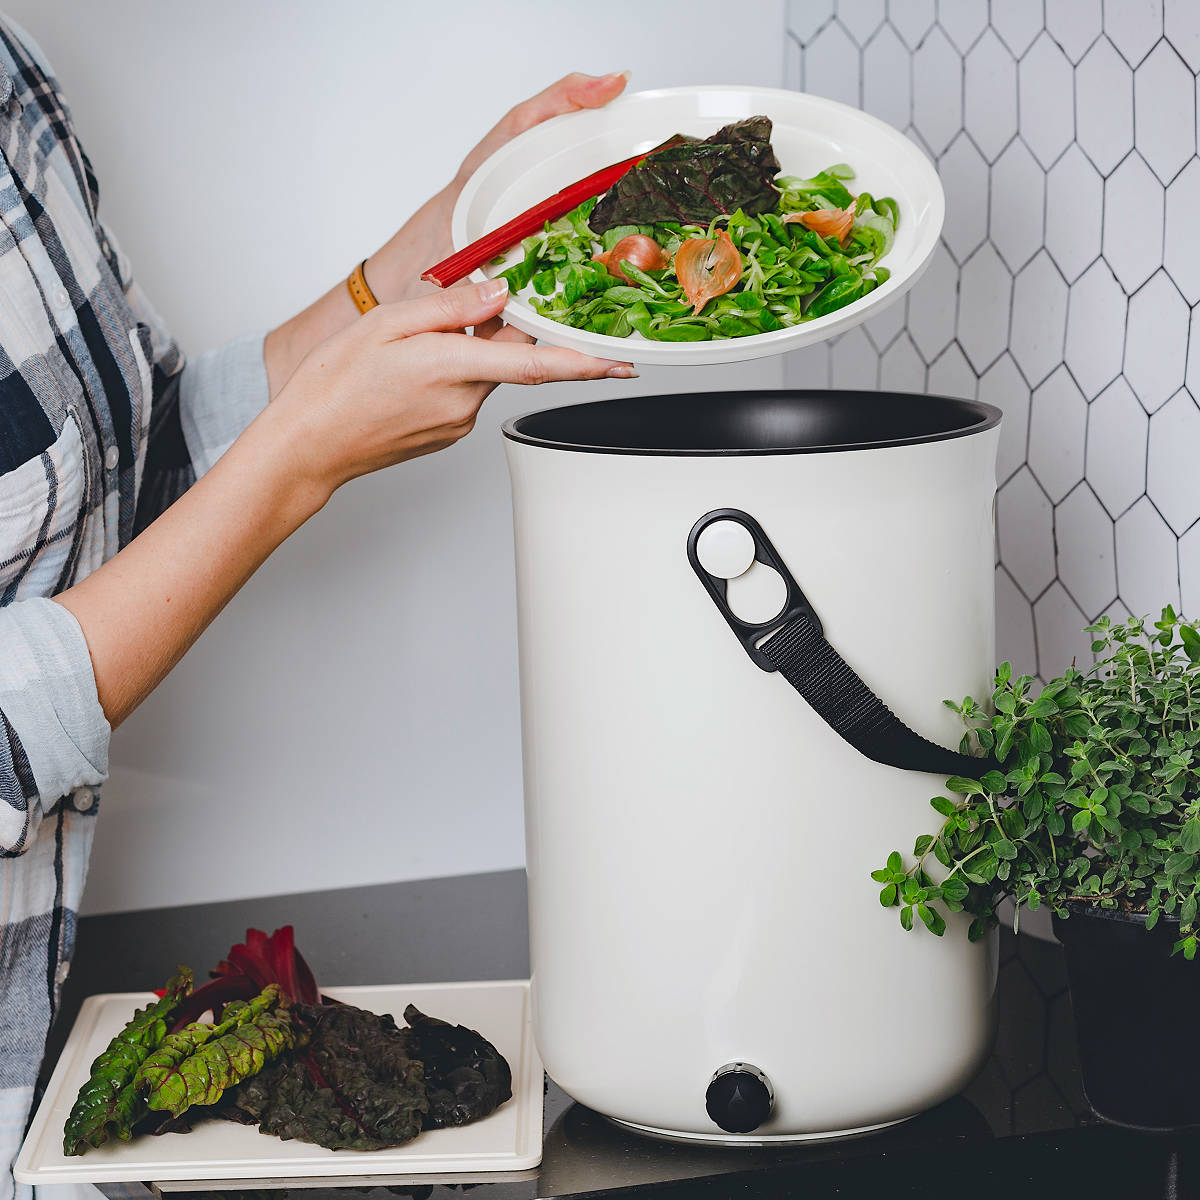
(394, 271)
(569, 94)
(404, 380)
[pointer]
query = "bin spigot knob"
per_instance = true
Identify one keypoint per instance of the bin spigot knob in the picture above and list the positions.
(739, 1097)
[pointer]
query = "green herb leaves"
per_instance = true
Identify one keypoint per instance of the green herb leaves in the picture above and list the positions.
(1097, 795)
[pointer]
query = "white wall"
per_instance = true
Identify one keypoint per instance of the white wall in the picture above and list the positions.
(352, 717)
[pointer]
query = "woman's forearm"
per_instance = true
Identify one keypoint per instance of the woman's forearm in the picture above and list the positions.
(142, 610)
(393, 273)
(400, 382)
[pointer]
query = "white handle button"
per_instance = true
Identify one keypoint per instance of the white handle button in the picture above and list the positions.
(725, 549)
(758, 595)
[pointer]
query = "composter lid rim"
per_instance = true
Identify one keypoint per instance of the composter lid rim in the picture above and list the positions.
(974, 417)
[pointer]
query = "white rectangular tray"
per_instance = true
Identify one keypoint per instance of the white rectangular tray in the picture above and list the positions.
(508, 1140)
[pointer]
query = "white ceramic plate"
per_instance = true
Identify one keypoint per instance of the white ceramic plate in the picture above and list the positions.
(508, 1140)
(810, 133)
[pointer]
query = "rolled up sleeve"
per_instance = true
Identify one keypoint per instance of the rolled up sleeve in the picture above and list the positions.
(220, 393)
(53, 733)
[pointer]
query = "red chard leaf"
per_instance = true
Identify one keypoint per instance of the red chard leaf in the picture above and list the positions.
(694, 181)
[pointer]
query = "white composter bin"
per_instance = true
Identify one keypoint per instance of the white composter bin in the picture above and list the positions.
(710, 958)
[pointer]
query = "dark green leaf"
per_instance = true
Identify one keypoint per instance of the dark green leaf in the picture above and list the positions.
(932, 919)
(954, 888)
(695, 181)
(1189, 836)
(1177, 863)
(1039, 737)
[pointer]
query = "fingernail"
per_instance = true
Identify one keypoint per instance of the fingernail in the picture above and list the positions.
(625, 75)
(493, 290)
(622, 372)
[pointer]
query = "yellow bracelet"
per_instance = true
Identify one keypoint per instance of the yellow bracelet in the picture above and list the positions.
(360, 293)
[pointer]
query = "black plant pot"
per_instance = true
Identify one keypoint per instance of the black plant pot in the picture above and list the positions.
(1128, 994)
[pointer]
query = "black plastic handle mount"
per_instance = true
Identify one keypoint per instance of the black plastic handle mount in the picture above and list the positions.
(747, 633)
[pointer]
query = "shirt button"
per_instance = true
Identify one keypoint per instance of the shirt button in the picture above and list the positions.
(84, 801)
(112, 456)
(62, 298)
(61, 972)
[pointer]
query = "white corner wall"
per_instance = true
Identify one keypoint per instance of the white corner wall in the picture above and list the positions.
(352, 717)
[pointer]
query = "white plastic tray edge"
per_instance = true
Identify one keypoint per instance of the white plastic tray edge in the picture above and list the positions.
(528, 1094)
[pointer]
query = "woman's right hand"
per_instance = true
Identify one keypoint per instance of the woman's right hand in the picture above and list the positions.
(405, 380)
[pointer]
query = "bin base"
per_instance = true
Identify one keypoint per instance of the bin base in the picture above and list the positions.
(753, 1140)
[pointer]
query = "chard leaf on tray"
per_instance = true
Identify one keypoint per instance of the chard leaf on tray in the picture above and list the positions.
(107, 1103)
(695, 181)
(241, 1048)
(298, 1064)
(175, 1048)
(362, 1083)
(354, 1087)
(466, 1077)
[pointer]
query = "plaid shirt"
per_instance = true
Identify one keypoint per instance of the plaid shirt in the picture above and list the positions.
(101, 427)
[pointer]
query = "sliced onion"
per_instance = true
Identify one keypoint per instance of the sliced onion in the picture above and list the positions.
(707, 267)
(828, 222)
(644, 252)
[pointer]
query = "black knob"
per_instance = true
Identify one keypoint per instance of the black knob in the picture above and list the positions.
(739, 1098)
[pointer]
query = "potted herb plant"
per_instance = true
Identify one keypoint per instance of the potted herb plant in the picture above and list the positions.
(1088, 803)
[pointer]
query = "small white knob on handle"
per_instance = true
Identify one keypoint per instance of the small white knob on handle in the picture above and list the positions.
(725, 549)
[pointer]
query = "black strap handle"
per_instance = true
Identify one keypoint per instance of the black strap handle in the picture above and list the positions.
(793, 643)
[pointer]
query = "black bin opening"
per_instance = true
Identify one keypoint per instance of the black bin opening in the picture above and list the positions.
(758, 422)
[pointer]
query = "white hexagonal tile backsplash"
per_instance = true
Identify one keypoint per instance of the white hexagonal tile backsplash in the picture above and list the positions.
(1067, 287)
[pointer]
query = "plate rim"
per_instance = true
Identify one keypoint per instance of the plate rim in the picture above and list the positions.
(720, 350)
(528, 1135)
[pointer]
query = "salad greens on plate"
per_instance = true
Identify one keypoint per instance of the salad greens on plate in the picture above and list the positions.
(704, 240)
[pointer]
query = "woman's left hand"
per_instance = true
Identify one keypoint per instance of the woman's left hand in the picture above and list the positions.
(394, 271)
(569, 94)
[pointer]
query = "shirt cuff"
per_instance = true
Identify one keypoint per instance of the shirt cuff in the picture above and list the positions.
(48, 694)
(220, 393)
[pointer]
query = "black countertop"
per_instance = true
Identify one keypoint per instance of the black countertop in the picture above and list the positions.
(1020, 1129)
